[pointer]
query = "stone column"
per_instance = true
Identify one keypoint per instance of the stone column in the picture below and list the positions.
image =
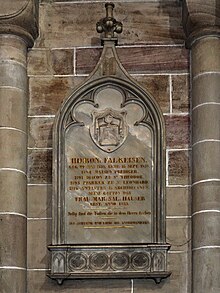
(202, 27)
(17, 32)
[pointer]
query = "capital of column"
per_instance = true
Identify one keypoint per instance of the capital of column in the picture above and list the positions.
(200, 19)
(20, 17)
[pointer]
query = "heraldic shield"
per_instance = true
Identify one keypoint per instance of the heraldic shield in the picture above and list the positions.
(109, 129)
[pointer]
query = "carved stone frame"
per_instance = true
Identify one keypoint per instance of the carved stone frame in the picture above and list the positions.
(61, 251)
(145, 260)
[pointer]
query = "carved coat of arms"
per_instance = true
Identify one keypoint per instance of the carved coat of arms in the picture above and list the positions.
(109, 129)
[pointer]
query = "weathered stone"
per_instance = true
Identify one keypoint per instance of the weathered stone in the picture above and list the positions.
(177, 131)
(203, 62)
(13, 149)
(62, 61)
(11, 8)
(179, 168)
(38, 62)
(201, 24)
(178, 201)
(13, 244)
(39, 166)
(200, 19)
(9, 78)
(13, 48)
(39, 201)
(13, 104)
(209, 233)
(158, 87)
(40, 132)
(137, 59)
(200, 199)
(178, 233)
(206, 89)
(13, 191)
(206, 166)
(72, 24)
(180, 93)
(206, 270)
(18, 29)
(19, 280)
(20, 18)
(38, 237)
(38, 282)
(55, 61)
(206, 123)
(47, 93)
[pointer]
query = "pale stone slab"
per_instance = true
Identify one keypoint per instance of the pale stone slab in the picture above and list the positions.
(69, 24)
(13, 244)
(203, 62)
(13, 74)
(206, 89)
(208, 233)
(19, 280)
(13, 151)
(13, 48)
(39, 201)
(200, 199)
(178, 201)
(206, 123)
(179, 233)
(158, 87)
(13, 191)
(206, 270)
(206, 166)
(180, 93)
(38, 237)
(177, 131)
(13, 104)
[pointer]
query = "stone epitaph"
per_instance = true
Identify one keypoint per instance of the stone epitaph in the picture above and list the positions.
(108, 176)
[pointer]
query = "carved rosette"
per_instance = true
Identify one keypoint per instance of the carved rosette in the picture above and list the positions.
(72, 262)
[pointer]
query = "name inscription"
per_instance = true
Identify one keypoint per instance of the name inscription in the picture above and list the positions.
(112, 192)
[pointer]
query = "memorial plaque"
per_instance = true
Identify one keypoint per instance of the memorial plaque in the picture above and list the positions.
(108, 176)
(108, 169)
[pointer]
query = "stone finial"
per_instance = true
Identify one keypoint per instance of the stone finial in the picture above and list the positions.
(109, 25)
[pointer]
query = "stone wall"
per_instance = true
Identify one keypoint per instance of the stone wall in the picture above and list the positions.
(152, 49)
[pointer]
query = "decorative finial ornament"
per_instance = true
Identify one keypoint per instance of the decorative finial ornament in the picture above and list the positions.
(109, 25)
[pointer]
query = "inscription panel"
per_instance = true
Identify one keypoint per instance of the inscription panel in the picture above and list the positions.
(108, 172)
(109, 176)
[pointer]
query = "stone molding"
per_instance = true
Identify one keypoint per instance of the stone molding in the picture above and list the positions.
(20, 18)
(200, 18)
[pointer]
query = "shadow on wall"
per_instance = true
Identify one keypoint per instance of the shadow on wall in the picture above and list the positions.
(175, 22)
